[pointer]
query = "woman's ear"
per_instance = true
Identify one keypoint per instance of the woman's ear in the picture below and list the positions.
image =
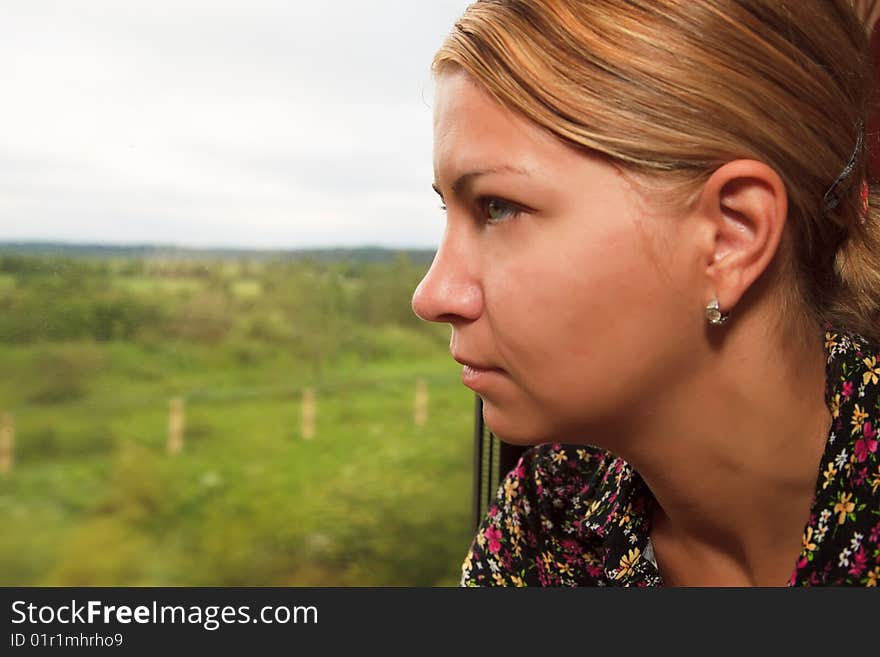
(743, 206)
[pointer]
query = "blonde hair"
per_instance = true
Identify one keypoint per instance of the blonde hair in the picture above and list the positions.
(673, 89)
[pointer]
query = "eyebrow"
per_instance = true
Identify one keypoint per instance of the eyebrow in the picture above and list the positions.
(466, 179)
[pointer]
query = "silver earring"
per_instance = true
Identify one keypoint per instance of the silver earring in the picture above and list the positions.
(714, 314)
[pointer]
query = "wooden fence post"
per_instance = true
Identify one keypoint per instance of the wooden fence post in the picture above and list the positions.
(308, 414)
(421, 407)
(7, 437)
(176, 416)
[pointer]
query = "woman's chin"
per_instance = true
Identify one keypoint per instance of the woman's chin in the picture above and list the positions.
(515, 429)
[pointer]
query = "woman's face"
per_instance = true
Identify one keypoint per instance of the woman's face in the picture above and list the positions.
(554, 274)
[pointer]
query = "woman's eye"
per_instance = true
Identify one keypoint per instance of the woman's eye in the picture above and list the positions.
(495, 210)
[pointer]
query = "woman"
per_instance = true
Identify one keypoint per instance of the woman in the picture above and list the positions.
(661, 266)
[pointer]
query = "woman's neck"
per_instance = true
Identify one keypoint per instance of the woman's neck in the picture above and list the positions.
(732, 457)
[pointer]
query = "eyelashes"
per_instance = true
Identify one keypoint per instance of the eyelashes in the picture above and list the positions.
(493, 210)
(496, 211)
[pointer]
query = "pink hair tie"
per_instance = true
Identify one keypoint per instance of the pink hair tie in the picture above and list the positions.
(864, 195)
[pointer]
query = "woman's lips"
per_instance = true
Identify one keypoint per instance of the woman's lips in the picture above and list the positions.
(476, 378)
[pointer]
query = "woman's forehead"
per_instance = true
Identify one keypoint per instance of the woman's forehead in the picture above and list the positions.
(473, 132)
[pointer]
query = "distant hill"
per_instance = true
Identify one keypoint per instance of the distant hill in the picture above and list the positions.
(142, 251)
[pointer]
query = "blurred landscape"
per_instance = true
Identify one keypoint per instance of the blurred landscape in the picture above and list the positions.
(180, 418)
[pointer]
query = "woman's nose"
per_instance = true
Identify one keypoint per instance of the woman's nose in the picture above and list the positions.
(449, 292)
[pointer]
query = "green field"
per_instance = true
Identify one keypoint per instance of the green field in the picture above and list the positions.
(92, 352)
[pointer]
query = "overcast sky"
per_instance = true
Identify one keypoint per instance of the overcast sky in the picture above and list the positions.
(258, 123)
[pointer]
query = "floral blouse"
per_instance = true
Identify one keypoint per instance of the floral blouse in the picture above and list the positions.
(574, 515)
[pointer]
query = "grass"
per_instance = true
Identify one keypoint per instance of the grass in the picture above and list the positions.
(373, 500)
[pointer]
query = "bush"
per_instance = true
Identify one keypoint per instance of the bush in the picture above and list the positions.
(49, 443)
(63, 373)
(121, 319)
(206, 318)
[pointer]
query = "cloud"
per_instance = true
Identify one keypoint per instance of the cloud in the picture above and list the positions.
(265, 123)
